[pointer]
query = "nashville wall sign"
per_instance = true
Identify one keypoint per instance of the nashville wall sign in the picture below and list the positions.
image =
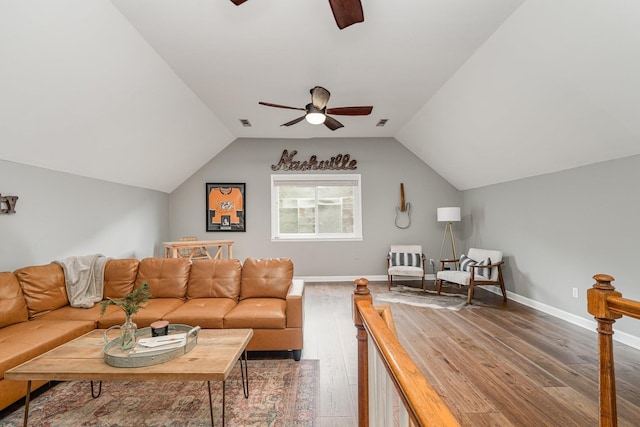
(8, 204)
(339, 162)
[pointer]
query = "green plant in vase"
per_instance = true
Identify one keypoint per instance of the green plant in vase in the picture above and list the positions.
(130, 304)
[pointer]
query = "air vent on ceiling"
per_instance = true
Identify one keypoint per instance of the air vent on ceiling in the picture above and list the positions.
(382, 122)
(245, 123)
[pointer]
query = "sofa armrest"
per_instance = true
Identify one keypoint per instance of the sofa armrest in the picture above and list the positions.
(295, 304)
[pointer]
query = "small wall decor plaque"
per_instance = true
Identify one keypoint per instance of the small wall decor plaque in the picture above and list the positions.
(339, 162)
(8, 204)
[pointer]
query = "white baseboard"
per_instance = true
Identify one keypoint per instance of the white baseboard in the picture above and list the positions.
(621, 337)
(371, 278)
(351, 279)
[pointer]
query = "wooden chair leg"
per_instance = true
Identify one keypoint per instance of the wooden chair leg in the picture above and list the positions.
(504, 292)
(423, 288)
(389, 280)
(439, 284)
(470, 296)
(501, 280)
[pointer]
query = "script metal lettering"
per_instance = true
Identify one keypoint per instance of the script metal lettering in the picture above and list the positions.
(9, 202)
(339, 162)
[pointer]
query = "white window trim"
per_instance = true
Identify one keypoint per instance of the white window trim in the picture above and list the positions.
(276, 179)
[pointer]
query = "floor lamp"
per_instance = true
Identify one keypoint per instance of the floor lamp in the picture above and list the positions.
(449, 215)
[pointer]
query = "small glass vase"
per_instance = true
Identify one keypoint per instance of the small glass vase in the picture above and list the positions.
(128, 334)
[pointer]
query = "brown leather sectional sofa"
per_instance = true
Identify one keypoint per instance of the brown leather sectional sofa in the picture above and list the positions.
(35, 315)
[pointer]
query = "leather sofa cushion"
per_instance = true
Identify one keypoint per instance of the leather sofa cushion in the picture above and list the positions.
(266, 278)
(215, 278)
(257, 313)
(208, 313)
(43, 288)
(155, 309)
(167, 277)
(119, 277)
(13, 308)
(26, 340)
(75, 313)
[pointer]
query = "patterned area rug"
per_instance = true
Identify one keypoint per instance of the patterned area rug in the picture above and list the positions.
(430, 299)
(281, 393)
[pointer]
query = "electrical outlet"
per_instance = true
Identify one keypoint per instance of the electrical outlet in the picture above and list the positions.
(431, 261)
(575, 292)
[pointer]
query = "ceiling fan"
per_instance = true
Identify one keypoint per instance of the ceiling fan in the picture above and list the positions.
(316, 112)
(346, 12)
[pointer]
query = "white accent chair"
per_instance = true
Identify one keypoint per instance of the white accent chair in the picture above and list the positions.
(473, 276)
(405, 260)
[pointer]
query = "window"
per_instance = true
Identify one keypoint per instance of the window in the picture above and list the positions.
(315, 207)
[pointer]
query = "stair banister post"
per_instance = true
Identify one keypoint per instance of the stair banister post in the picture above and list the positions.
(362, 293)
(598, 307)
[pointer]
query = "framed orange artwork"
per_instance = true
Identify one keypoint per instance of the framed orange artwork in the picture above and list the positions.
(226, 207)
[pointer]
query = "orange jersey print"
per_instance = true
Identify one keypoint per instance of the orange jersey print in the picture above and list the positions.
(225, 202)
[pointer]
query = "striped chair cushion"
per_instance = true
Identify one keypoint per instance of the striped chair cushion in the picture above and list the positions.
(486, 272)
(405, 259)
(465, 264)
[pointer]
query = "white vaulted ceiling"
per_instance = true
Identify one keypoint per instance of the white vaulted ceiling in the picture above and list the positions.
(144, 92)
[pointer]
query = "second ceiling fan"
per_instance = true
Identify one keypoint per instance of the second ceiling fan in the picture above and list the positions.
(346, 12)
(316, 111)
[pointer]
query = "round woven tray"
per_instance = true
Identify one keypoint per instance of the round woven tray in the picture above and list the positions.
(128, 359)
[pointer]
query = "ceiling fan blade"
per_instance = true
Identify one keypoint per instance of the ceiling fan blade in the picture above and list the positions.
(319, 97)
(280, 106)
(293, 122)
(351, 111)
(332, 123)
(238, 2)
(346, 12)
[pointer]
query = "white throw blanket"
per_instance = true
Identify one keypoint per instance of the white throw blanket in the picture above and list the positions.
(84, 279)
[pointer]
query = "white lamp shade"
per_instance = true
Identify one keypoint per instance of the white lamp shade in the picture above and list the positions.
(448, 214)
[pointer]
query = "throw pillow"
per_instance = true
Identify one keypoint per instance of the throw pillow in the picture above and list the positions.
(486, 272)
(465, 263)
(405, 259)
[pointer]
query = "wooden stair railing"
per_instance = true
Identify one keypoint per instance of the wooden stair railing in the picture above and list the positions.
(606, 305)
(424, 406)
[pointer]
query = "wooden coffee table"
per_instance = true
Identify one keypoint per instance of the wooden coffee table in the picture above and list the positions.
(212, 359)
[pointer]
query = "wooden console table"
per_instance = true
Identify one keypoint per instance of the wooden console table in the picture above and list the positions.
(171, 248)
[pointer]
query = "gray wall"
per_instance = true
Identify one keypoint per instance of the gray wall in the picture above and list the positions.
(60, 215)
(559, 230)
(383, 164)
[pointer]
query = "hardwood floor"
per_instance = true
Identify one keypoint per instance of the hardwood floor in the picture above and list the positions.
(503, 364)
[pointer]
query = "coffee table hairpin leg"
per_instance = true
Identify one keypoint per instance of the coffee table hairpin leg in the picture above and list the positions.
(245, 387)
(27, 399)
(245, 375)
(26, 404)
(93, 393)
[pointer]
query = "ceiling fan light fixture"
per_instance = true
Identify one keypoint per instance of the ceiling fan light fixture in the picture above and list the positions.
(314, 115)
(315, 118)
(316, 111)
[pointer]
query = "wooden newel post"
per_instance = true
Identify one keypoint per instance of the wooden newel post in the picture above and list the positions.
(362, 293)
(597, 306)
